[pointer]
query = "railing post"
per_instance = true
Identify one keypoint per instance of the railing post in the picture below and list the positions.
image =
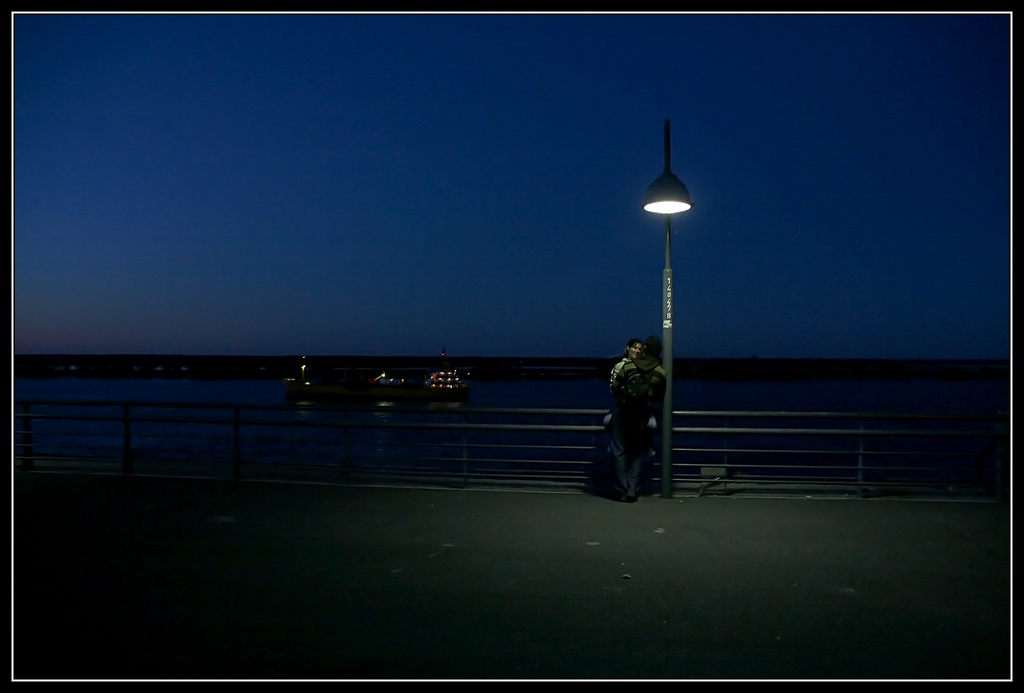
(465, 451)
(129, 467)
(725, 452)
(860, 460)
(237, 444)
(27, 463)
(1000, 459)
(346, 447)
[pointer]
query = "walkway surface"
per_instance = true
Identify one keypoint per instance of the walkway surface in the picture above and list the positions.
(144, 578)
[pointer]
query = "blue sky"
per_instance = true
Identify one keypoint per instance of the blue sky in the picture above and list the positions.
(396, 184)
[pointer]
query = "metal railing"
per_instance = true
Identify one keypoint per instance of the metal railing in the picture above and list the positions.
(713, 452)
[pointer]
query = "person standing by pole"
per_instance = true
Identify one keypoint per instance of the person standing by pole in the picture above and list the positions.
(636, 385)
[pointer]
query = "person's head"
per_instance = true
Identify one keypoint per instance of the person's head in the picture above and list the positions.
(634, 348)
(652, 346)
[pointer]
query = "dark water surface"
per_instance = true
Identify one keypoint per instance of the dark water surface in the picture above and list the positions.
(920, 396)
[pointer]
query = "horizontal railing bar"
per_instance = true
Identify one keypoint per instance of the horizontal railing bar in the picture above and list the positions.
(854, 432)
(517, 427)
(468, 410)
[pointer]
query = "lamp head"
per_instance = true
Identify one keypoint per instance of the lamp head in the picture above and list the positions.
(667, 195)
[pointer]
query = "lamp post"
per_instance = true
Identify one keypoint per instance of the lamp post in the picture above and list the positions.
(667, 195)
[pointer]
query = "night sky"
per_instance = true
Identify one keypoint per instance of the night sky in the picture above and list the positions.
(399, 184)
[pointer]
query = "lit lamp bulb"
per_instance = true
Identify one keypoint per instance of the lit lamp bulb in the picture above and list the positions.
(667, 195)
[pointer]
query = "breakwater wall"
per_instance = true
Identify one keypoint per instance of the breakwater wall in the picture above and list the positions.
(233, 367)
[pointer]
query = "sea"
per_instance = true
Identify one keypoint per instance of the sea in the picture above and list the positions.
(982, 396)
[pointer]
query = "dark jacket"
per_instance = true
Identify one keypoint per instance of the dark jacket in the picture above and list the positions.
(645, 363)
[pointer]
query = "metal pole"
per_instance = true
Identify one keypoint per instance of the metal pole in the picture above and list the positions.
(666, 339)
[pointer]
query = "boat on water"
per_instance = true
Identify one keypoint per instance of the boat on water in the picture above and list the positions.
(444, 385)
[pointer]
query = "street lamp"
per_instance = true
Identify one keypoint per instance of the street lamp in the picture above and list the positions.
(667, 195)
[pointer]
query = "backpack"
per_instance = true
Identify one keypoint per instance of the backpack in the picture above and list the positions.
(636, 385)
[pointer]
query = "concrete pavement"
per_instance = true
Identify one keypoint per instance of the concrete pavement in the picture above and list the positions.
(151, 578)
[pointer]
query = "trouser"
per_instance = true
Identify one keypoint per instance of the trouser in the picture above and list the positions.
(630, 448)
